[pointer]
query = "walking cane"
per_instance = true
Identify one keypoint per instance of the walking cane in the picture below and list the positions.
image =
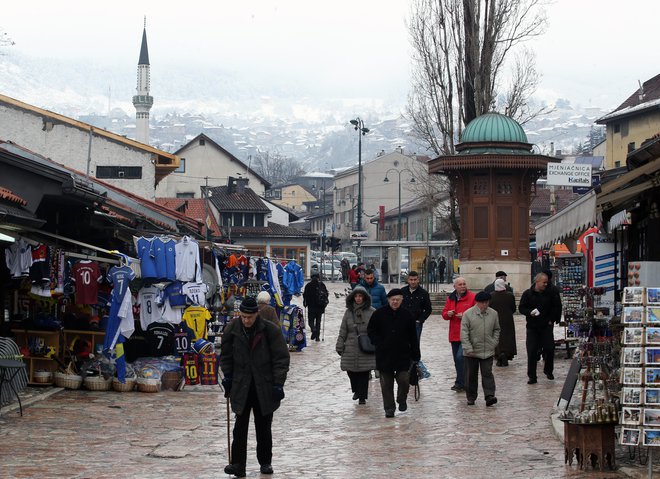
(228, 433)
(323, 327)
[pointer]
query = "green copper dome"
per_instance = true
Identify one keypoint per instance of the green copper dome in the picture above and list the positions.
(493, 127)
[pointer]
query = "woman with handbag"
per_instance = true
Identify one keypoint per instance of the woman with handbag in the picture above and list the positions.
(354, 361)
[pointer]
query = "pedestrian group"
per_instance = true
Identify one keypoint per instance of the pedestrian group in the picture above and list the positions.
(380, 333)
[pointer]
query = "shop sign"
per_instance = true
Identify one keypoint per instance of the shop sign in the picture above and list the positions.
(359, 235)
(569, 174)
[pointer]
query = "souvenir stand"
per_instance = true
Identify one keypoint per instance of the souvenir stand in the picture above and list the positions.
(589, 427)
(640, 377)
(570, 280)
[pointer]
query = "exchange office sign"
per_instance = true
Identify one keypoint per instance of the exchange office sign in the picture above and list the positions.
(569, 174)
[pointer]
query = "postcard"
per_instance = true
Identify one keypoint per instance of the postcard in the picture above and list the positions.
(651, 417)
(651, 437)
(633, 356)
(631, 415)
(652, 396)
(634, 376)
(652, 376)
(652, 335)
(652, 356)
(633, 295)
(633, 314)
(653, 314)
(633, 396)
(653, 296)
(630, 436)
(636, 335)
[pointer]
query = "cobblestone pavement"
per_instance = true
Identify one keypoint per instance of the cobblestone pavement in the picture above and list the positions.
(319, 431)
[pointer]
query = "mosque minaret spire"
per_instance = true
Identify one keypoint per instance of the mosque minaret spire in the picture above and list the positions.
(143, 101)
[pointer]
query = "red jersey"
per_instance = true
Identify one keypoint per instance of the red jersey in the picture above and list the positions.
(86, 275)
(207, 366)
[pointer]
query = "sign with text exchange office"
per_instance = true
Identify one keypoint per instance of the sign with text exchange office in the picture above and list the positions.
(569, 174)
(359, 235)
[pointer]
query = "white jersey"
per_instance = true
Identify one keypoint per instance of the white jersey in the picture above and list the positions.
(150, 311)
(19, 258)
(195, 293)
(188, 264)
(171, 315)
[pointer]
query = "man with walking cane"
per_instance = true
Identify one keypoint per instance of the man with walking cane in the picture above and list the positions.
(254, 363)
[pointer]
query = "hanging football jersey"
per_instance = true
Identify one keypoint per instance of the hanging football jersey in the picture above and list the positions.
(86, 275)
(160, 339)
(18, 257)
(146, 256)
(150, 311)
(189, 364)
(207, 368)
(188, 264)
(195, 293)
(195, 320)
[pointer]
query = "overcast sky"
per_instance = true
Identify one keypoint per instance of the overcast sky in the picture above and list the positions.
(593, 52)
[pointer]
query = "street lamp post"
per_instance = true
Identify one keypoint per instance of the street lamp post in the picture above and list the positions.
(386, 180)
(362, 130)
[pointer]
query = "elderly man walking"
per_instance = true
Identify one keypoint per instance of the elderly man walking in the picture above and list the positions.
(255, 362)
(480, 333)
(542, 309)
(458, 301)
(392, 330)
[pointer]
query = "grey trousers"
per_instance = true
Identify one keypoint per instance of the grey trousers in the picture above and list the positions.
(387, 388)
(472, 366)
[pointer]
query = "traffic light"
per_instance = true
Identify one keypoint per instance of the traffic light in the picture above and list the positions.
(334, 244)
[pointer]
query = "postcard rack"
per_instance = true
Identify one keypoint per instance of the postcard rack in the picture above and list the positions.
(640, 371)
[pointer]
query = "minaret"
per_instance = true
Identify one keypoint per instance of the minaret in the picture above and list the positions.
(143, 101)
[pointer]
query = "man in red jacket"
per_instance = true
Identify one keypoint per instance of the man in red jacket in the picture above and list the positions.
(458, 301)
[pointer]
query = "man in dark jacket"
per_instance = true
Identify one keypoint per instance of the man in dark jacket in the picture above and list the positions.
(374, 288)
(416, 300)
(315, 307)
(542, 309)
(392, 330)
(499, 275)
(255, 362)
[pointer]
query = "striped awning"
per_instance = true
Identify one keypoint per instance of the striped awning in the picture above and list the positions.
(570, 222)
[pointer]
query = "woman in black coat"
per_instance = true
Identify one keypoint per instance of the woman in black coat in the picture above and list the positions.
(504, 303)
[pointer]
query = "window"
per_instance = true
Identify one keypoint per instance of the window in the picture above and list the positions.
(631, 146)
(480, 186)
(617, 128)
(202, 142)
(259, 220)
(185, 194)
(182, 166)
(248, 219)
(116, 172)
(275, 194)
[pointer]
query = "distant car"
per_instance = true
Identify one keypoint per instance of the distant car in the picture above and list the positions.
(327, 272)
(404, 270)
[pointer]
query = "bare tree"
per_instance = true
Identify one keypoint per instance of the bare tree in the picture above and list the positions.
(461, 48)
(277, 168)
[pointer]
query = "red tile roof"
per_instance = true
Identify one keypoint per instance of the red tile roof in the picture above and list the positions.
(194, 208)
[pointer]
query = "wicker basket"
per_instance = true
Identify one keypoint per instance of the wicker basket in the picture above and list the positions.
(148, 385)
(171, 380)
(42, 377)
(96, 383)
(68, 381)
(126, 387)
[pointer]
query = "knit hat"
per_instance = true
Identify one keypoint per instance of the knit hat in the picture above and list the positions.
(249, 305)
(263, 297)
(500, 284)
(482, 296)
(395, 292)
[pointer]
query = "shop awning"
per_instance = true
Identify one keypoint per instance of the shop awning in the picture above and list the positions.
(619, 219)
(570, 222)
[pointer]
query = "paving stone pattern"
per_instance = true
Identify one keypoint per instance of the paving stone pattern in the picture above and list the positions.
(319, 431)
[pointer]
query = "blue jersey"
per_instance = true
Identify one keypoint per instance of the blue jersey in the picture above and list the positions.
(173, 293)
(147, 259)
(170, 258)
(158, 248)
(120, 277)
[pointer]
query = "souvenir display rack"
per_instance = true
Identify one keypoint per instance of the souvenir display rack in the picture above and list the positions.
(640, 372)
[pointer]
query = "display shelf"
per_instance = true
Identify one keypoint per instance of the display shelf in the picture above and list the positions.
(71, 335)
(26, 337)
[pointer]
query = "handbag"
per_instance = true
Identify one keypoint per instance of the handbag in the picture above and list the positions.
(364, 342)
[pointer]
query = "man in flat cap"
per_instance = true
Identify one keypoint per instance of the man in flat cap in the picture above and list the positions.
(480, 333)
(255, 362)
(499, 275)
(393, 331)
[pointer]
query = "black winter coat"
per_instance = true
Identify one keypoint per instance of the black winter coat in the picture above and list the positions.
(417, 302)
(395, 336)
(548, 303)
(265, 363)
